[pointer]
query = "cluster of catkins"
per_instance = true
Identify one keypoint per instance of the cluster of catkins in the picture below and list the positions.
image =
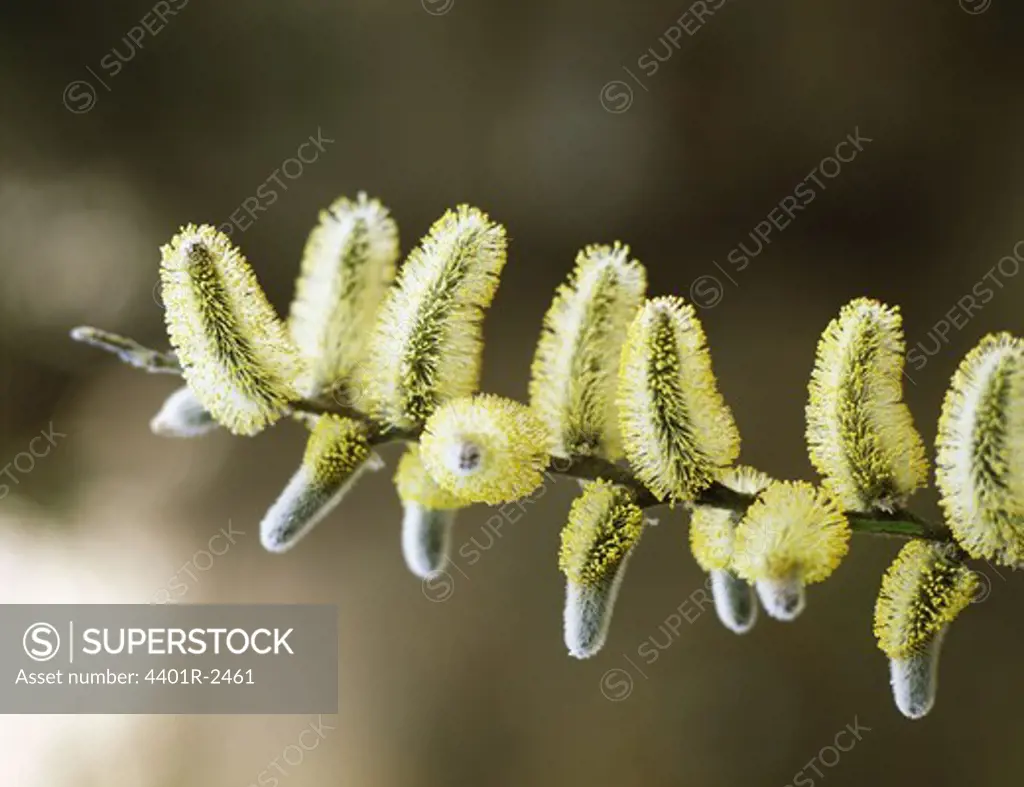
(367, 357)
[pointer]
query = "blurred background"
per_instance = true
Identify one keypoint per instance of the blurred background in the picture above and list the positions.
(675, 128)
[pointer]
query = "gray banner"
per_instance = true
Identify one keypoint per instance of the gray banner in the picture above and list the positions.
(149, 658)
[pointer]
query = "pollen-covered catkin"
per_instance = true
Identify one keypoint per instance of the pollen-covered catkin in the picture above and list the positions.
(923, 591)
(793, 535)
(980, 451)
(860, 433)
(604, 526)
(485, 449)
(347, 266)
(575, 369)
(234, 351)
(677, 431)
(337, 453)
(426, 343)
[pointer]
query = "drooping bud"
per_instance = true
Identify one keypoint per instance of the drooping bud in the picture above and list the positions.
(712, 539)
(735, 601)
(182, 416)
(235, 353)
(604, 526)
(347, 266)
(860, 433)
(425, 348)
(426, 538)
(337, 453)
(575, 369)
(923, 591)
(429, 515)
(677, 431)
(793, 535)
(485, 449)
(980, 451)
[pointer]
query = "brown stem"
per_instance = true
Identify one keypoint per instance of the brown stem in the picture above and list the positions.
(902, 524)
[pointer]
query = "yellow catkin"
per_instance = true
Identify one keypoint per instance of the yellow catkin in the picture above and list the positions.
(336, 447)
(575, 369)
(923, 591)
(426, 345)
(347, 266)
(713, 530)
(980, 451)
(604, 524)
(677, 431)
(860, 433)
(794, 530)
(485, 449)
(234, 351)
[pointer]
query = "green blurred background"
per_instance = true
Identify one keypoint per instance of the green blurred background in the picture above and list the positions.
(500, 104)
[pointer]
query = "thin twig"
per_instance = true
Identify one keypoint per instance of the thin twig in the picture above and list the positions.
(128, 350)
(901, 523)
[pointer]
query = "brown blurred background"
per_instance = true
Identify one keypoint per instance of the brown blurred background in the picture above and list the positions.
(500, 104)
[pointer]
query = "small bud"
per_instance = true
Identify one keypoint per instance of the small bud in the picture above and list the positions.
(980, 451)
(337, 453)
(924, 590)
(604, 526)
(235, 353)
(347, 267)
(182, 416)
(426, 345)
(426, 534)
(793, 535)
(485, 449)
(677, 431)
(735, 601)
(575, 369)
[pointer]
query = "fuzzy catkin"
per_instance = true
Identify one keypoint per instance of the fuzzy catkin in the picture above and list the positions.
(574, 378)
